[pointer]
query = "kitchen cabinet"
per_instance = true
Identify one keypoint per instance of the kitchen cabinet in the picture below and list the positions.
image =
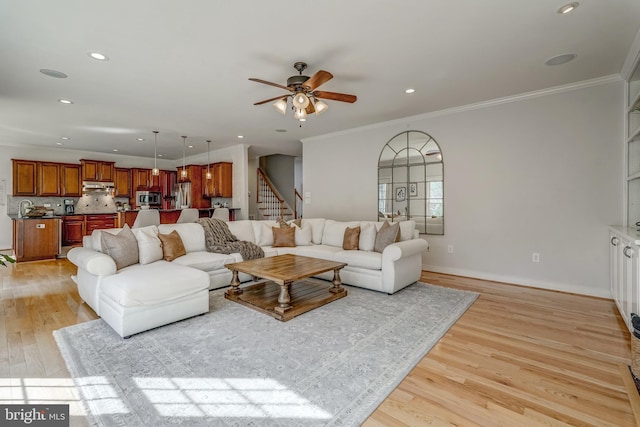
(48, 179)
(72, 230)
(141, 179)
(123, 183)
(99, 221)
(97, 170)
(167, 184)
(195, 177)
(71, 180)
(221, 182)
(24, 177)
(36, 239)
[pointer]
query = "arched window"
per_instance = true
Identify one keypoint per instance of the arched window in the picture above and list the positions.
(411, 181)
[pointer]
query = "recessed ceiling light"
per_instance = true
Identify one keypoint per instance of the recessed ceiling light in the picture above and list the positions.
(59, 143)
(98, 56)
(409, 90)
(281, 130)
(160, 155)
(561, 59)
(569, 7)
(139, 139)
(240, 136)
(64, 137)
(115, 149)
(53, 73)
(189, 146)
(65, 101)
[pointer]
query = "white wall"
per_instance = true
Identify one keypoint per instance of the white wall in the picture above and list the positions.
(539, 173)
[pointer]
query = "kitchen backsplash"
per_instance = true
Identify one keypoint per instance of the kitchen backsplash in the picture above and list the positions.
(88, 204)
(95, 204)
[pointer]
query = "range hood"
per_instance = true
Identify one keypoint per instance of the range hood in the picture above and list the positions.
(97, 186)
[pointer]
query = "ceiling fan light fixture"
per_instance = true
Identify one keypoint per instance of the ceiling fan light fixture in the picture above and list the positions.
(300, 101)
(321, 107)
(281, 106)
(300, 115)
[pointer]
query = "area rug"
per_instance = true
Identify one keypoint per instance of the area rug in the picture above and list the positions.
(237, 367)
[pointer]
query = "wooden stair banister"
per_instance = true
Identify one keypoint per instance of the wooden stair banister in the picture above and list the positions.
(270, 204)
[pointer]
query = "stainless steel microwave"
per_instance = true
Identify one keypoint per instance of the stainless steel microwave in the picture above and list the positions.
(148, 198)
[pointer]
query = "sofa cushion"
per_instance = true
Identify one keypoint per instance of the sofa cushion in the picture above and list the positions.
(243, 230)
(172, 246)
(317, 228)
(149, 245)
(205, 261)
(152, 284)
(284, 237)
(362, 259)
(387, 234)
(333, 233)
(351, 238)
(122, 247)
(406, 230)
(368, 233)
(96, 237)
(191, 233)
(318, 251)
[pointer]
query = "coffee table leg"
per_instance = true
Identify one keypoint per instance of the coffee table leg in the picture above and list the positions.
(284, 299)
(337, 282)
(235, 284)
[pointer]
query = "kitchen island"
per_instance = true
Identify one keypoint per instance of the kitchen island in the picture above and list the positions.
(167, 216)
(36, 238)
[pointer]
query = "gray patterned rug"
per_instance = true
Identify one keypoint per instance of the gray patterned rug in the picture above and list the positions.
(237, 367)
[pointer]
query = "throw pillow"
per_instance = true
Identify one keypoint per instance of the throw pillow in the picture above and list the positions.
(367, 237)
(284, 237)
(265, 237)
(172, 246)
(297, 221)
(282, 223)
(387, 235)
(122, 247)
(149, 246)
(303, 235)
(351, 238)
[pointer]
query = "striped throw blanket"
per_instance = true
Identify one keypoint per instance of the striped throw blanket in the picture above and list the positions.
(219, 239)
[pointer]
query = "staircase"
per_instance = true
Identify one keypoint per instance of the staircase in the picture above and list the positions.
(269, 202)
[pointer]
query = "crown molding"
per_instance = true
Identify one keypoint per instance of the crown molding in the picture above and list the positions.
(476, 106)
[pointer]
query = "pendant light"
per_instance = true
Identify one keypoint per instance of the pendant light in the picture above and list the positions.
(183, 173)
(208, 159)
(155, 171)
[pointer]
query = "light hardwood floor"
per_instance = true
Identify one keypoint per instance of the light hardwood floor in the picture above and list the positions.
(517, 357)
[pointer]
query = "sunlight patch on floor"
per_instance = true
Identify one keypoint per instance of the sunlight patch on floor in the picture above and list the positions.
(226, 397)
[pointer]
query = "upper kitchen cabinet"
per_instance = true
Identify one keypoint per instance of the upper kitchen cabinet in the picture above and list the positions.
(71, 176)
(24, 177)
(221, 182)
(141, 179)
(97, 170)
(48, 179)
(123, 183)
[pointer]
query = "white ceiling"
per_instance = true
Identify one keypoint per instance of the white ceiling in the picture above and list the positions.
(181, 67)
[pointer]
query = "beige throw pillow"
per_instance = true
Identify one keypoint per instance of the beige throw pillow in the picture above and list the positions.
(284, 237)
(387, 235)
(172, 246)
(122, 247)
(351, 238)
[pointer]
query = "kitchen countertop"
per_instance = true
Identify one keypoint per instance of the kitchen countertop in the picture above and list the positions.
(15, 216)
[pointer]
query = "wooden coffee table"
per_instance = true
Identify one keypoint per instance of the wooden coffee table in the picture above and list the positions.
(285, 294)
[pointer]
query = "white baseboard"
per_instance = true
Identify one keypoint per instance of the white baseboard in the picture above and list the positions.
(514, 280)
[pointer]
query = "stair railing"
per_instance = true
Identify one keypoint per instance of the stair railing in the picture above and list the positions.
(297, 213)
(268, 199)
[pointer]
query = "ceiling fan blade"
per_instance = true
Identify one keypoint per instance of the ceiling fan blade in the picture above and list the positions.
(343, 97)
(319, 78)
(310, 108)
(270, 99)
(269, 83)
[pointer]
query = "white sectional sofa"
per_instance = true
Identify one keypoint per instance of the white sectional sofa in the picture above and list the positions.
(154, 292)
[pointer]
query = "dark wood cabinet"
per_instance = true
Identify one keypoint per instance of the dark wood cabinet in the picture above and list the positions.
(123, 183)
(194, 176)
(72, 230)
(48, 179)
(221, 182)
(35, 239)
(167, 184)
(99, 221)
(97, 170)
(141, 179)
(24, 177)
(71, 180)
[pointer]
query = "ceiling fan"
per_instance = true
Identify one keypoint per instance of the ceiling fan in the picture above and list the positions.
(305, 98)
